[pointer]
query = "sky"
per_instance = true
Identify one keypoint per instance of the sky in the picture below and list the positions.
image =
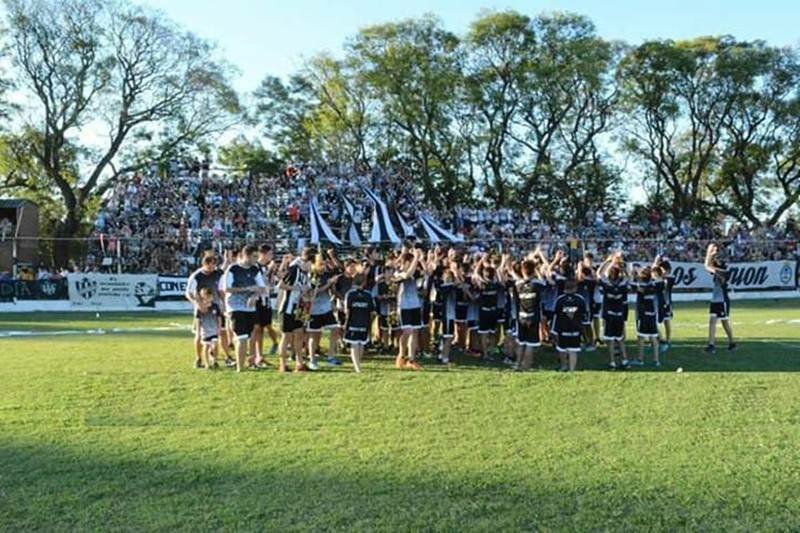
(272, 37)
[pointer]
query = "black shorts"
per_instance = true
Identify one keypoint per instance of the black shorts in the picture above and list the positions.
(665, 314)
(263, 314)
(720, 310)
(448, 328)
(647, 325)
(411, 318)
(500, 312)
(290, 323)
(242, 323)
(426, 313)
(323, 321)
(462, 308)
(355, 335)
(613, 328)
(210, 339)
(528, 333)
(569, 343)
(512, 325)
(487, 320)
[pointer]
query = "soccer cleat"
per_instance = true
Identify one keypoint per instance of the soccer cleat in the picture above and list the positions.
(657, 364)
(637, 362)
(312, 365)
(229, 362)
(732, 347)
(710, 349)
(663, 347)
(508, 361)
(333, 361)
(625, 363)
(612, 366)
(198, 363)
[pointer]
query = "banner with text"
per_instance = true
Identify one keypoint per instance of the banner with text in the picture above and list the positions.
(107, 290)
(171, 288)
(764, 275)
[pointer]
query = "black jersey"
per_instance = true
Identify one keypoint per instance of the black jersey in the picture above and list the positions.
(487, 295)
(646, 298)
(359, 304)
(529, 295)
(200, 279)
(570, 315)
(615, 298)
(236, 277)
(295, 276)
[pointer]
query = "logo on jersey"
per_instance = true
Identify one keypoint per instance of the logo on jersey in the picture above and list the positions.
(571, 311)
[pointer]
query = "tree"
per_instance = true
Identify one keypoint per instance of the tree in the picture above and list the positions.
(283, 110)
(242, 154)
(414, 69)
(677, 96)
(567, 104)
(89, 64)
(500, 47)
(759, 173)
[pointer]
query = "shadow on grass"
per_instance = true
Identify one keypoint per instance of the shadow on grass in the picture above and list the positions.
(53, 487)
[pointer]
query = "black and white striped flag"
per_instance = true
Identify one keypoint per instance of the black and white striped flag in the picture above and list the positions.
(320, 230)
(435, 232)
(382, 230)
(352, 232)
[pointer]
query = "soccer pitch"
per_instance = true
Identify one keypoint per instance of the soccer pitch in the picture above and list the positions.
(115, 431)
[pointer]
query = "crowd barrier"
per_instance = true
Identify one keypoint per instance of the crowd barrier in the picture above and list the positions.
(149, 292)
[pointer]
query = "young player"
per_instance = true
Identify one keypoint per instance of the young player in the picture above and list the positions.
(410, 307)
(448, 296)
(294, 285)
(207, 323)
(488, 286)
(359, 306)
(529, 290)
(206, 277)
(568, 323)
(243, 286)
(720, 307)
(264, 308)
(322, 318)
(614, 289)
(646, 315)
(665, 281)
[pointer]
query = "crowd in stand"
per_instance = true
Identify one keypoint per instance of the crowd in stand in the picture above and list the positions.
(160, 221)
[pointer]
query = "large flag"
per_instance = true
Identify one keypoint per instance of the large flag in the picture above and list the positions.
(382, 230)
(408, 229)
(352, 232)
(435, 232)
(320, 230)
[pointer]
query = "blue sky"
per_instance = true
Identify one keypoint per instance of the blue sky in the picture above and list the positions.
(273, 36)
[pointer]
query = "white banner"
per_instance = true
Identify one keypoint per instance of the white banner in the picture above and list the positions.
(763, 275)
(172, 288)
(118, 291)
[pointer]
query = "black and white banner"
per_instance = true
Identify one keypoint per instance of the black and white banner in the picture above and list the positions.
(108, 290)
(352, 231)
(763, 275)
(382, 229)
(435, 232)
(172, 288)
(320, 230)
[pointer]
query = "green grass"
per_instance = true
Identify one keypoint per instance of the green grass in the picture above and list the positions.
(115, 432)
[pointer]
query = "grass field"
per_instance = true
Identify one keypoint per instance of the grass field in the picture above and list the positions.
(114, 431)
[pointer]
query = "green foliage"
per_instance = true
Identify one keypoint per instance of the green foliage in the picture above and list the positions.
(125, 436)
(241, 154)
